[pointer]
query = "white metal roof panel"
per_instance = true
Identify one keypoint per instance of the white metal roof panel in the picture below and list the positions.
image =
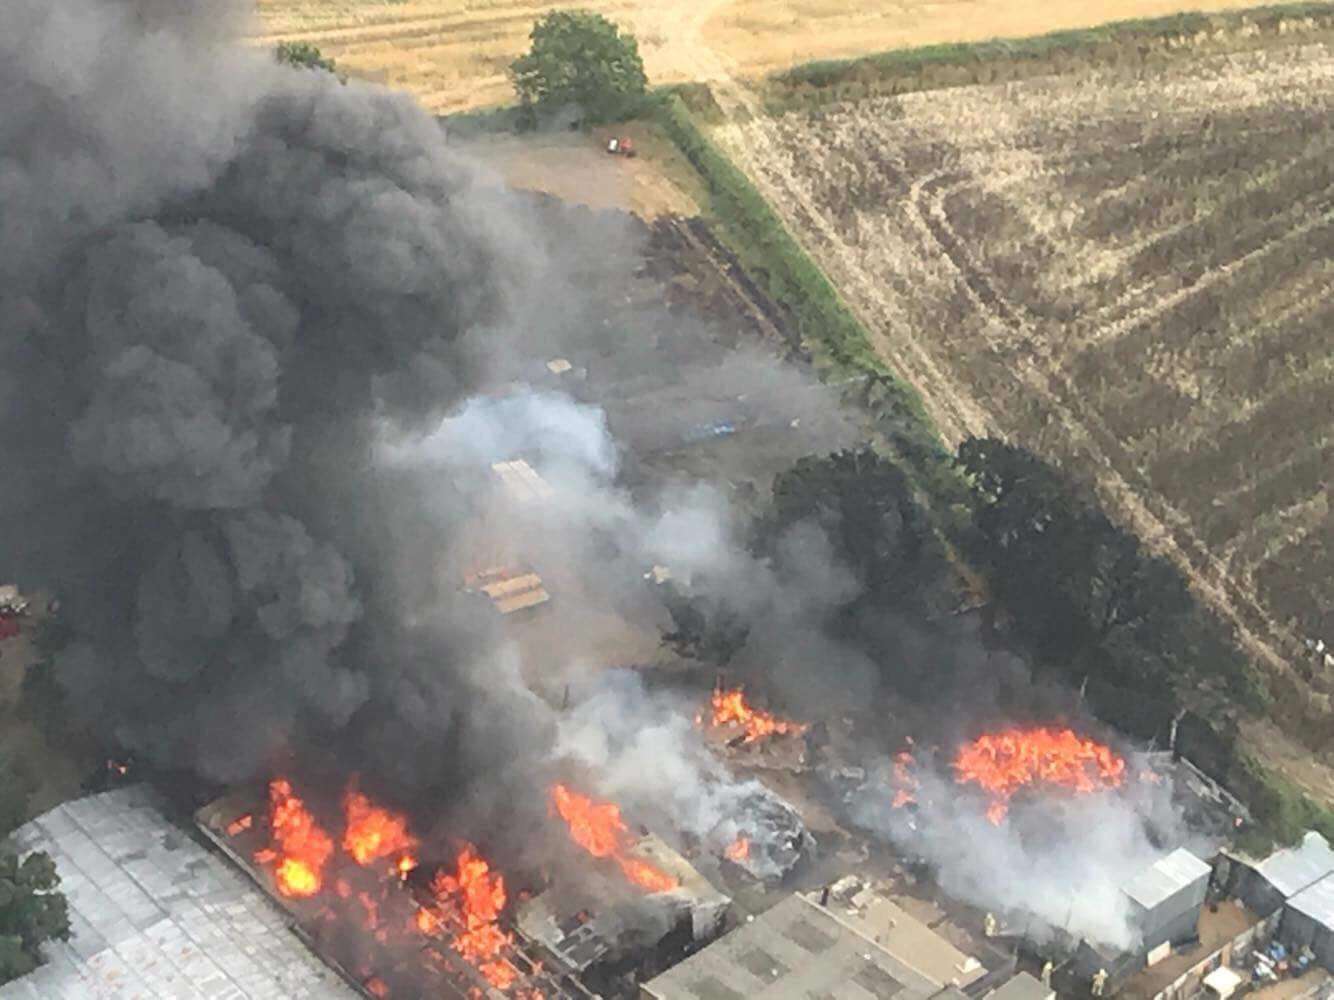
(1166, 877)
(1317, 902)
(154, 916)
(1294, 868)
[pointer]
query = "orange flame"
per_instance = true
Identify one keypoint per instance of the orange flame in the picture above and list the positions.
(377, 988)
(905, 779)
(240, 825)
(645, 875)
(731, 709)
(597, 827)
(738, 850)
(373, 833)
(472, 898)
(1003, 763)
(300, 848)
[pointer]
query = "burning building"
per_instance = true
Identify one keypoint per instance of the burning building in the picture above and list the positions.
(369, 907)
(604, 926)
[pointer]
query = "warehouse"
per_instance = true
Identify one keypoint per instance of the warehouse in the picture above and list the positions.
(154, 915)
(797, 949)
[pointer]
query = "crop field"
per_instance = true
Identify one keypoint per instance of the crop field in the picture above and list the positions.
(1130, 271)
(452, 53)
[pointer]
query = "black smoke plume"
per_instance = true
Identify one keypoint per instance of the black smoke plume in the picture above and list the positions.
(216, 273)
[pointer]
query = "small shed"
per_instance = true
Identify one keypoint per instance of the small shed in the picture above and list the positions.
(1166, 898)
(1308, 921)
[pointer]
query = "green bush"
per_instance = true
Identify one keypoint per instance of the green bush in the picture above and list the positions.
(303, 55)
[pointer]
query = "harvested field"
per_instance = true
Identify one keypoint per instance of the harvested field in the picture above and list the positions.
(452, 53)
(1132, 272)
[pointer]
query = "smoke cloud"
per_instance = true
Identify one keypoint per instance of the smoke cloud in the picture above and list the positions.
(213, 272)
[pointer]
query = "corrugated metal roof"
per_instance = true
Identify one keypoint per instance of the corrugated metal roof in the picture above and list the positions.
(1022, 986)
(153, 915)
(1294, 868)
(1166, 877)
(1317, 902)
(775, 956)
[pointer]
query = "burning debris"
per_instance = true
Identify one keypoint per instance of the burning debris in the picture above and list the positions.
(601, 926)
(730, 710)
(1004, 763)
(765, 837)
(906, 782)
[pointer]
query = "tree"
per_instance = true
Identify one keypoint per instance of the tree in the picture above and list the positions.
(580, 58)
(865, 506)
(705, 627)
(32, 910)
(303, 55)
(15, 790)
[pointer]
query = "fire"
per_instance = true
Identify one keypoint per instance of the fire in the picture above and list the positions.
(597, 827)
(1003, 763)
(373, 833)
(731, 709)
(240, 825)
(300, 848)
(377, 988)
(907, 782)
(644, 875)
(470, 900)
(738, 850)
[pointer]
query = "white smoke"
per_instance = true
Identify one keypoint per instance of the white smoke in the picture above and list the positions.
(647, 753)
(1057, 862)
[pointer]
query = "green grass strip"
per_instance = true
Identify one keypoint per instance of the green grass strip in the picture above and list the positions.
(931, 67)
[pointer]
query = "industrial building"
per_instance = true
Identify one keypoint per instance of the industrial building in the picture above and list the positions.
(904, 936)
(1023, 987)
(797, 949)
(154, 915)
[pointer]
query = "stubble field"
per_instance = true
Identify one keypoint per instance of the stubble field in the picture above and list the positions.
(452, 53)
(1132, 272)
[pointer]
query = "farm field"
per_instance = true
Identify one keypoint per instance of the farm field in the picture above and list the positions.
(1132, 272)
(452, 53)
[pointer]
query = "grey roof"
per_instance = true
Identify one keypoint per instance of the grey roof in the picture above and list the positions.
(1317, 902)
(1165, 878)
(154, 915)
(1021, 987)
(1294, 868)
(797, 949)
